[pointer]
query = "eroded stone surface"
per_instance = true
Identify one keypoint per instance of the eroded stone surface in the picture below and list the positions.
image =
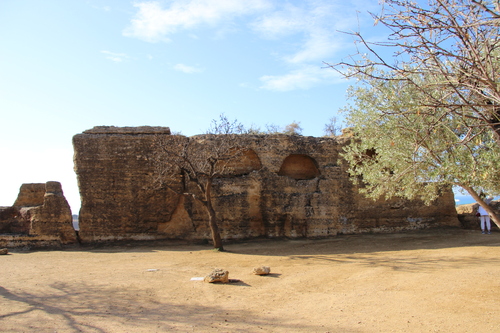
(284, 186)
(12, 222)
(43, 215)
(128, 130)
(30, 195)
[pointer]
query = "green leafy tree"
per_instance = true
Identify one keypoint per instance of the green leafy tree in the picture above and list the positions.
(400, 148)
(446, 55)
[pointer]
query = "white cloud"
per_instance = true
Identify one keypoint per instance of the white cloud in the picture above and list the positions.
(315, 24)
(305, 77)
(306, 32)
(319, 46)
(116, 57)
(187, 69)
(287, 21)
(153, 23)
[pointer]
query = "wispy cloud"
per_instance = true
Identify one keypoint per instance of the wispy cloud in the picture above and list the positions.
(187, 69)
(100, 7)
(115, 57)
(313, 25)
(303, 78)
(154, 24)
(316, 24)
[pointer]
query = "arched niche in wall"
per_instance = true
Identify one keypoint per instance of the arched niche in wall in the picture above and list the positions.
(244, 161)
(299, 167)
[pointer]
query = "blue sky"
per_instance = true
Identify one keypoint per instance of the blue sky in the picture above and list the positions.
(67, 66)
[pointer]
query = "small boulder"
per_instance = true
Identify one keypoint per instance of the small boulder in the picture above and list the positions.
(217, 275)
(4, 251)
(262, 270)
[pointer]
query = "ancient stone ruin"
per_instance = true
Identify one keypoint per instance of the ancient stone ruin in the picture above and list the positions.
(40, 216)
(284, 186)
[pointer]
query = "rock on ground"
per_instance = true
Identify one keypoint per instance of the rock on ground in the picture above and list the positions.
(218, 275)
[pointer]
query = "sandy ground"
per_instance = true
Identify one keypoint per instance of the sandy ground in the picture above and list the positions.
(430, 281)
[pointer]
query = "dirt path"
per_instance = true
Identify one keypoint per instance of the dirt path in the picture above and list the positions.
(432, 281)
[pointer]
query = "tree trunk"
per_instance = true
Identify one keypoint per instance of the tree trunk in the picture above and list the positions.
(212, 218)
(483, 204)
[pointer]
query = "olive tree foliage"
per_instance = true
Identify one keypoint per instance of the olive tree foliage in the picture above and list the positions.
(445, 69)
(189, 165)
(399, 149)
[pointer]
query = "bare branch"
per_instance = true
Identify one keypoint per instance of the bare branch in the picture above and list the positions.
(189, 165)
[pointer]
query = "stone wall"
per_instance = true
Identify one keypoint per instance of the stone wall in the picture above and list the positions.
(40, 216)
(289, 186)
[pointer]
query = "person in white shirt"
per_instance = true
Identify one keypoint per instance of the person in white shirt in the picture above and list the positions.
(485, 217)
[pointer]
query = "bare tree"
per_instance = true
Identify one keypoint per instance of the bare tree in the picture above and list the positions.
(189, 165)
(254, 130)
(293, 128)
(332, 128)
(273, 129)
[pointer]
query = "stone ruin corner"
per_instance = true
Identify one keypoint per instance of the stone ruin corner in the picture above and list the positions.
(40, 216)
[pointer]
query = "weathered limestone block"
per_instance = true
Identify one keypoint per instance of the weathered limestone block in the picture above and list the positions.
(128, 130)
(217, 275)
(30, 195)
(282, 186)
(40, 211)
(11, 221)
(115, 181)
(54, 216)
(400, 214)
(4, 251)
(262, 270)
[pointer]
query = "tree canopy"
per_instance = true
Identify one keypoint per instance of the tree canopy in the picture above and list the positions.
(400, 148)
(429, 115)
